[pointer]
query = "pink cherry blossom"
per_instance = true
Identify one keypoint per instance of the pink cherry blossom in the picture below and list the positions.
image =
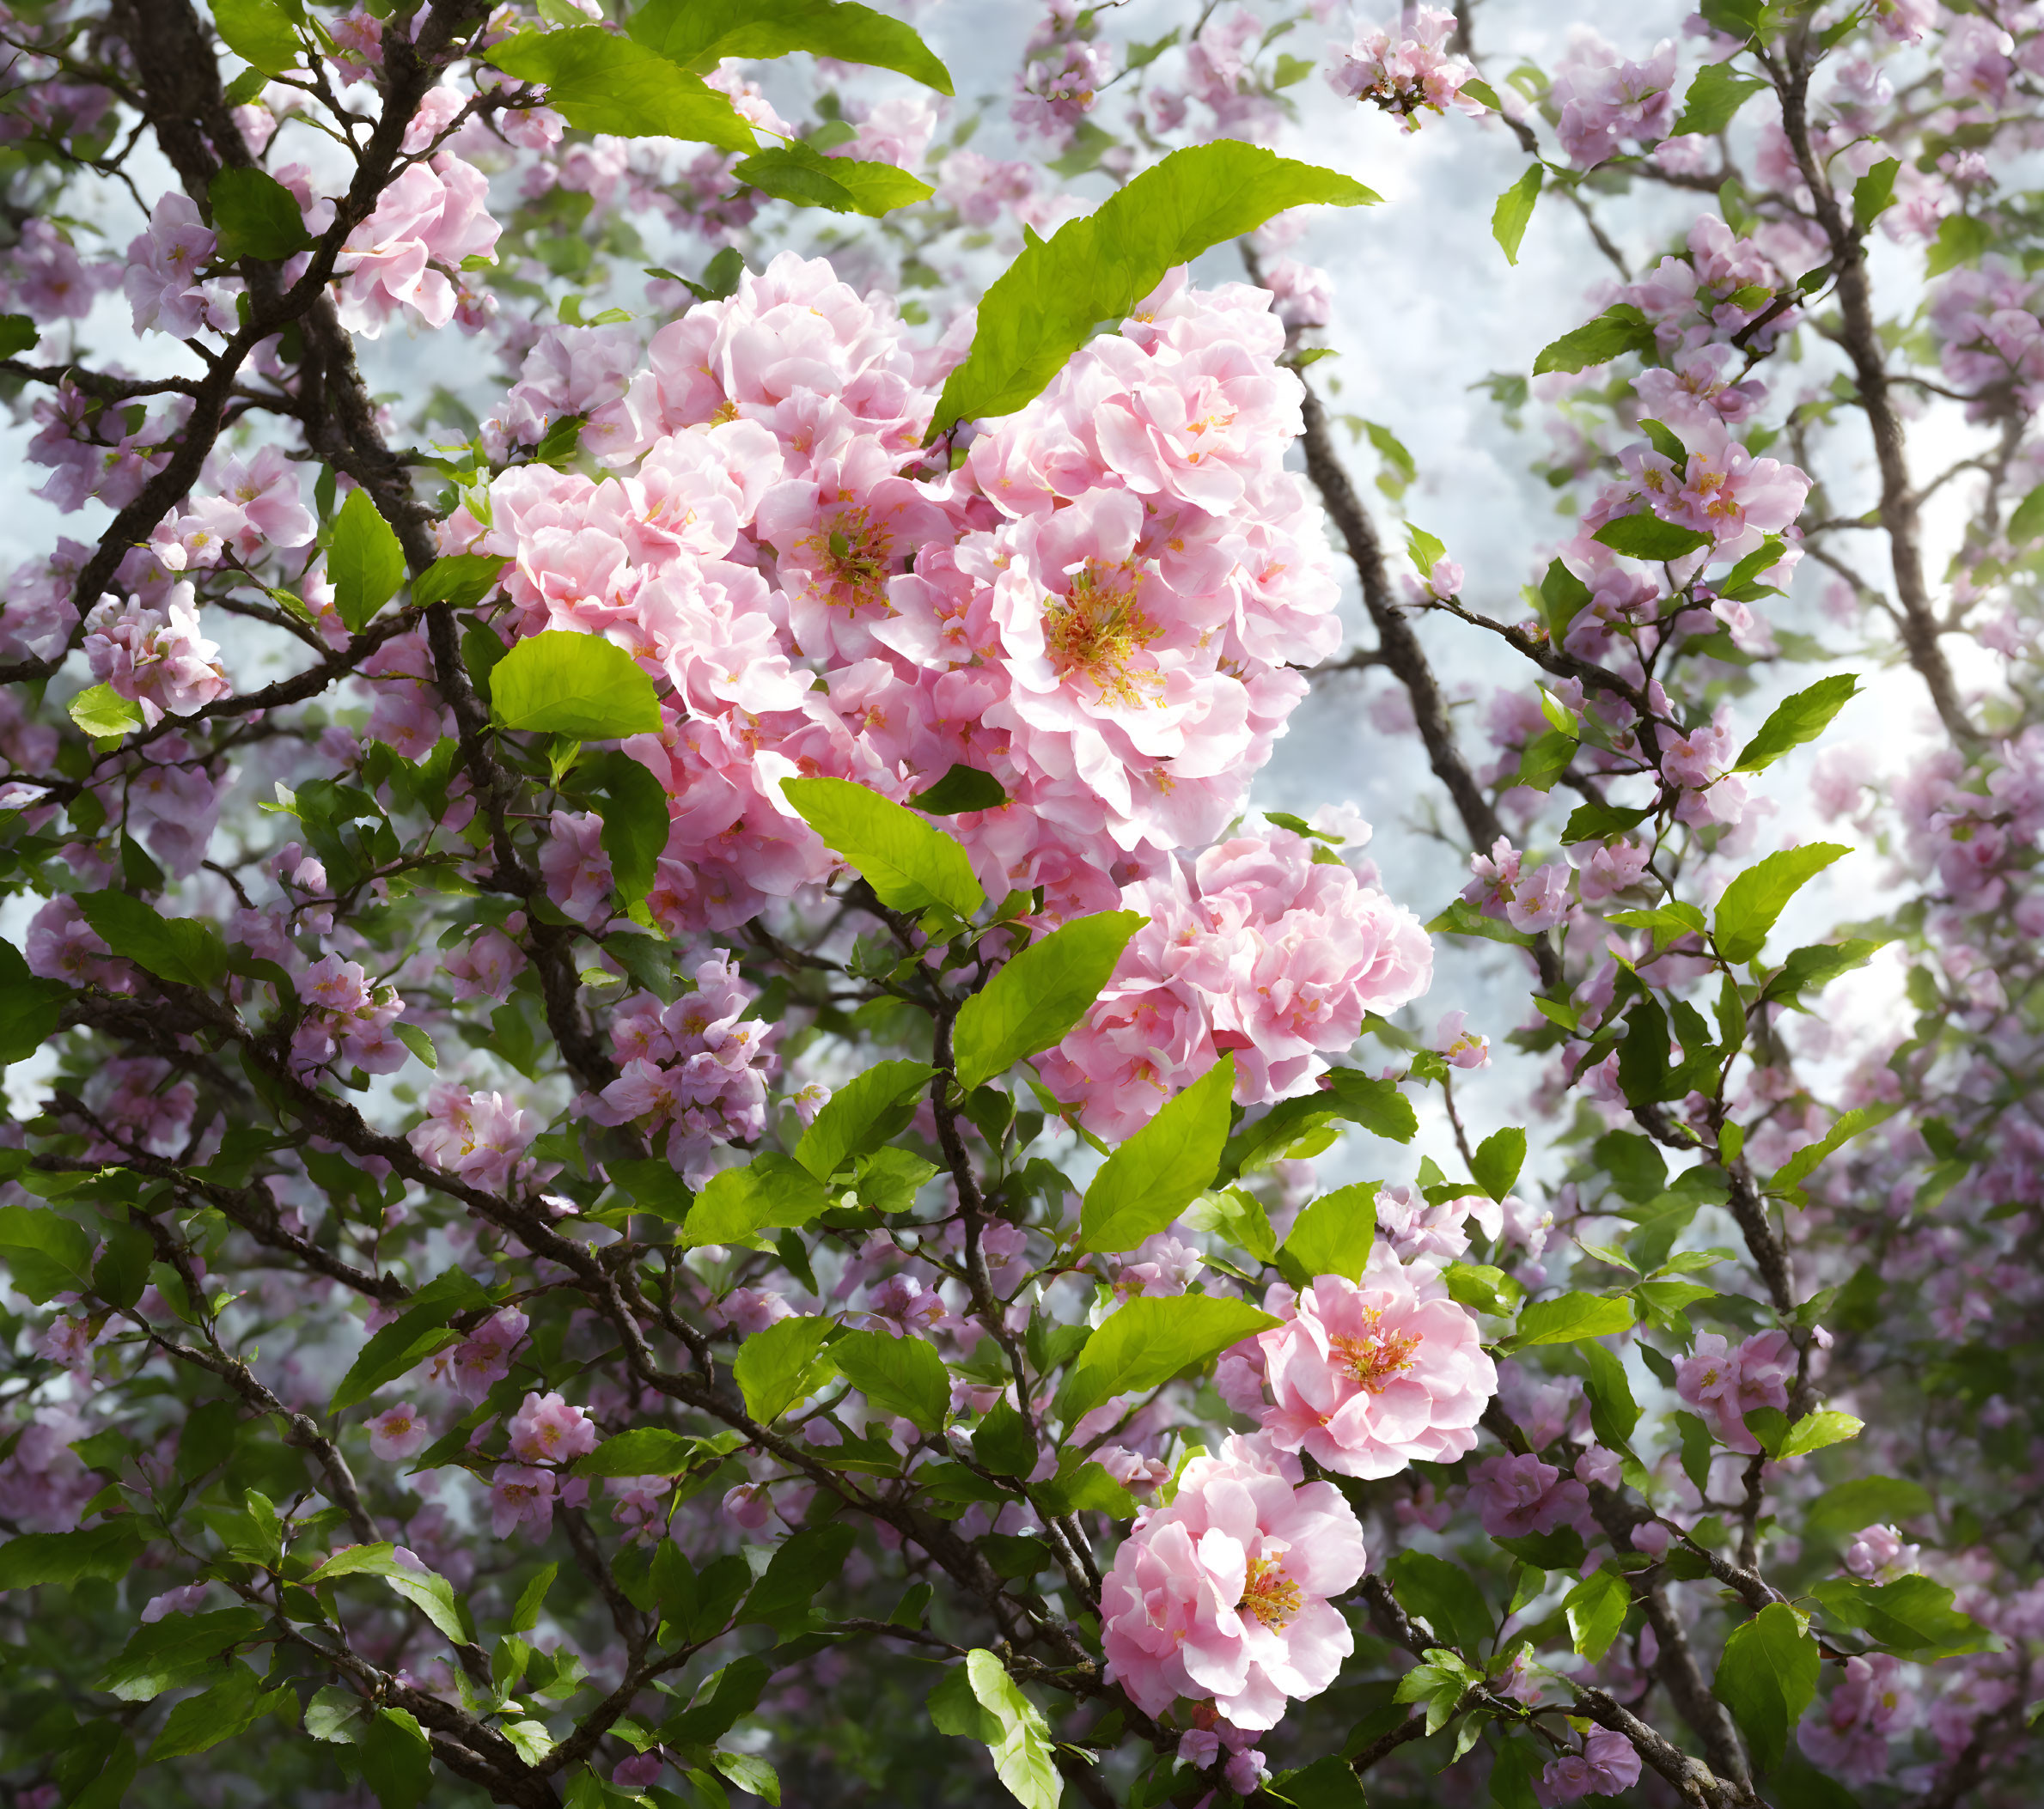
(481, 1137)
(1518, 1495)
(1225, 1594)
(1606, 1765)
(1723, 1384)
(161, 275)
(520, 1497)
(399, 1431)
(546, 1429)
(1365, 1378)
(1407, 69)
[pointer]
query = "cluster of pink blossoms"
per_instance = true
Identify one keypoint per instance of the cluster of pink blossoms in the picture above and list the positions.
(1366, 1377)
(480, 1137)
(1407, 69)
(1224, 1595)
(696, 1071)
(346, 1020)
(1723, 1382)
(1254, 947)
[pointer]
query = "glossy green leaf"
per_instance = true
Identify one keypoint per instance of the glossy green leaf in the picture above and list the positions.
(601, 82)
(1618, 330)
(1865, 1500)
(43, 1253)
(258, 32)
(102, 711)
(1596, 1609)
(1034, 1002)
(396, 1759)
(1768, 1677)
(1446, 1596)
(182, 950)
(770, 1191)
(1159, 1172)
(1151, 1339)
(1912, 1617)
(806, 1562)
(910, 864)
(1002, 1441)
(699, 34)
(1799, 719)
(1804, 1163)
(107, 1551)
(564, 684)
(960, 790)
(1514, 210)
(777, 1366)
(459, 579)
(1756, 898)
(200, 1722)
(1498, 1160)
(426, 1590)
(1050, 299)
(862, 1115)
(1873, 193)
(1648, 537)
(794, 172)
(1332, 1236)
(1571, 1318)
(1717, 92)
(177, 1652)
(121, 1271)
(900, 1376)
(364, 560)
(642, 1451)
(633, 805)
(255, 216)
(979, 1701)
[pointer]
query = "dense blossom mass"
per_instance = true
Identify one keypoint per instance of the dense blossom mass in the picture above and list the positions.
(682, 1124)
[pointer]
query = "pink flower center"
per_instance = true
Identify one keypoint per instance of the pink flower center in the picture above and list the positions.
(1376, 1356)
(853, 552)
(1269, 1594)
(1099, 630)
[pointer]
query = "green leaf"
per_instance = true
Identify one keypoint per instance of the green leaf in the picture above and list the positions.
(605, 83)
(258, 32)
(563, 683)
(805, 1562)
(1618, 330)
(1866, 1501)
(1446, 1596)
(648, 1450)
(1813, 1432)
(1800, 1166)
(182, 950)
(1799, 719)
(459, 579)
(1614, 1413)
(1151, 1339)
(777, 1366)
(1912, 1617)
(1513, 210)
(1756, 897)
(1815, 965)
(122, 1271)
(1571, 1318)
(909, 865)
(396, 1759)
(795, 172)
(770, 1191)
(1483, 1289)
(1563, 596)
(1238, 1217)
(1377, 1106)
(960, 790)
(410, 1339)
(699, 1606)
(1597, 1609)
(752, 1775)
(1037, 998)
(18, 333)
(103, 711)
(202, 1722)
(1768, 1677)
(1635, 1164)
(176, 1651)
(1961, 239)
(699, 34)
(1664, 441)
(1332, 1236)
(1163, 1169)
(1048, 301)
(1462, 918)
(364, 560)
(1716, 93)
(903, 1376)
(426, 1590)
(862, 1115)
(94, 1767)
(1329, 1782)
(1648, 537)
(255, 216)
(107, 1551)
(1874, 192)
(44, 1252)
(1002, 1441)
(1497, 1161)
(979, 1701)
(633, 805)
